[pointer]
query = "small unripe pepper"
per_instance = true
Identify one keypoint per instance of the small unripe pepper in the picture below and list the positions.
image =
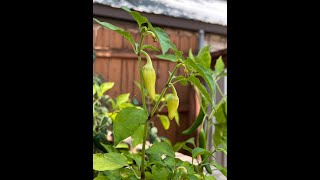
(172, 103)
(149, 77)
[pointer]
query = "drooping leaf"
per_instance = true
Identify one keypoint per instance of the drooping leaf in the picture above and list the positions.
(108, 161)
(204, 57)
(119, 30)
(127, 121)
(164, 40)
(165, 121)
(201, 88)
(205, 73)
(161, 148)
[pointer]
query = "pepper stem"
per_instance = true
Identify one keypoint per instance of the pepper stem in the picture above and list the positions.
(173, 89)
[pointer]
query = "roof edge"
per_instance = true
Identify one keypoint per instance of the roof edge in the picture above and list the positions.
(100, 10)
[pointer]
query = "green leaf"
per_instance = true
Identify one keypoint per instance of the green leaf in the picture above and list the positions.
(219, 67)
(160, 173)
(108, 161)
(119, 30)
(204, 57)
(191, 55)
(136, 16)
(165, 121)
(122, 146)
(220, 168)
(146, 46)
(209, 178)
(125, 105)
(179, 145)
(201, 87)
(164, 40)
(137, 136)
(161, 148)
(98, 90)
(122, 98)
(188, 166)
(219, 135)
(149, 176)
(127, 174)
(193, 177)
(106, 86)
(199, 151)
(126, 123)
(109, 148)
(220, 113)
(205, 73)
(94, 89)
(168, 57)
(170, 162)
(101, 178)
(137, 159)
(187, 148)
(112, 175)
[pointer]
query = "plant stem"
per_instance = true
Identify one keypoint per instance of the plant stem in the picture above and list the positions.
(218, 87)
(145, 133)
(141, 76)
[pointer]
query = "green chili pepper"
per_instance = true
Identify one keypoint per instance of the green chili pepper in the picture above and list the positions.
(203, 144)
(195, 124)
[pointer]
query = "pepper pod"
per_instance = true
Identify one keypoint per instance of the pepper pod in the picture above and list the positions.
(172, 103)
(149, 77)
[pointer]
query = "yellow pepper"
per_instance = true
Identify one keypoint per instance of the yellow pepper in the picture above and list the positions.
(172, 103)
(149, 77)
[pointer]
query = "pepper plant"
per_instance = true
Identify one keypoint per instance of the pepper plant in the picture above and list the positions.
(158, 162)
